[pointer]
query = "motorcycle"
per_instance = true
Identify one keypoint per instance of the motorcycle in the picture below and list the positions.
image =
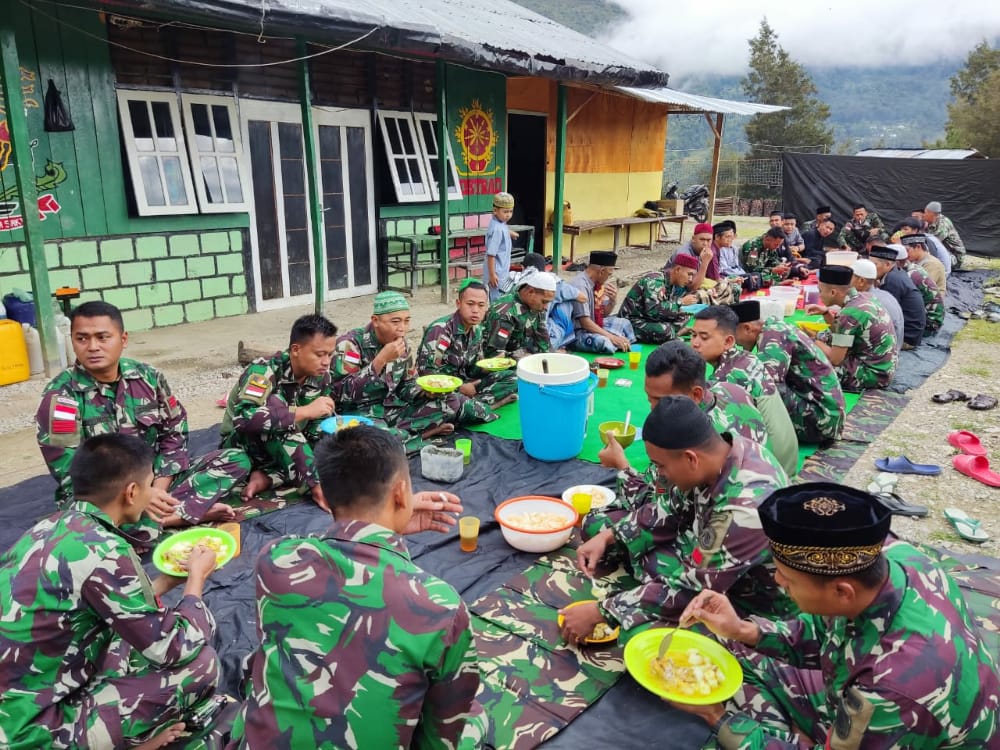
(696, 202)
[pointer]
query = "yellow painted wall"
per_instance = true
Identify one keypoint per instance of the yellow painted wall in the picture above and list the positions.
(604, 196)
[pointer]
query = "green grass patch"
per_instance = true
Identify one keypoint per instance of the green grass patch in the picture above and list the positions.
(941, 536)
(981, 331)
(979, 372)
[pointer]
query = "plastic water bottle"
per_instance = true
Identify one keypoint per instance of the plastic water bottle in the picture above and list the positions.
(3, 311)
(36, 362)
(66, 354)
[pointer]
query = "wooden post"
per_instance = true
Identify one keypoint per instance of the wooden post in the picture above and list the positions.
(442, 175)
(24, 179)
(560, 177)
(714, 180)
(311, 159)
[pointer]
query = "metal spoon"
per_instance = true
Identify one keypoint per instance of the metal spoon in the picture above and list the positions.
(665, 643)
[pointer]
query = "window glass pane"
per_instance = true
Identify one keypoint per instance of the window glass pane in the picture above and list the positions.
(403, 172)
(199, 116)
(174, 178)
(392, 128)
(150, 175)
(213, 184)
(231, 180)
(141, 128)
(223, 129)
(165, 140)
(430, 137)
(415, 171)
(434, 169)
(407, 136)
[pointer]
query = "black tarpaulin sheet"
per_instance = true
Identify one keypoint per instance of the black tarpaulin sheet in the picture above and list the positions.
(968, 190)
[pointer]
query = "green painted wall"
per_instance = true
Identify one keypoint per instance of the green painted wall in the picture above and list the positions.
(83, 169)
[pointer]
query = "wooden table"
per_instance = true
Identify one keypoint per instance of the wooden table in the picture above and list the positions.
(626, 222)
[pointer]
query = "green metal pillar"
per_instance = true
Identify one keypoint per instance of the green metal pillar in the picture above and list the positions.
(24, 176)
(560, 178)
(442, 172)
(311, 159)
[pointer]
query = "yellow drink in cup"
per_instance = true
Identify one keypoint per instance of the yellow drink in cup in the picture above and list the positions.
(468, 533)
(633, 359)
(581, 504)
(602, 378)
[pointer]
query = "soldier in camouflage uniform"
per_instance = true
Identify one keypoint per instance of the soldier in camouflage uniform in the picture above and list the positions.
(805, 378)
(653, 304)
(864, 225)
(885, 653)
(515, 324)
(373, 375)
(931, 295)
(674, 369)
(274, 411)
(714, 338)
(88, 657)
(943, 228)
(106, 393)
(765, 255)
(452, 345)
(861, 341)
(359, 646)
(705, 534)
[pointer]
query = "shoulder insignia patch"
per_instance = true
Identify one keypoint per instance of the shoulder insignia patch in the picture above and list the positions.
(63, 418)
(256, 388)
(443, 343)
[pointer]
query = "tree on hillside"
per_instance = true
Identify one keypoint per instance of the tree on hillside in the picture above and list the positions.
(974, 116)
(775, 78)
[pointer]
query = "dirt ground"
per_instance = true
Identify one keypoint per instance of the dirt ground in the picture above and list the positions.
(199, 361)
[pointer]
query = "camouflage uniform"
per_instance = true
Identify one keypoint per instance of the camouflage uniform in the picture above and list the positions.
(865, 328)
(944, 230)
(756, 258)
(260, 419)
(88, 658)
(908, 672)
(653, 306)
(747, 371)
(75, 407)
(707, 538)
(359, 648)
(449, 348)
(731, 410)
(393, 395)
(512, 329)
(856, 237)
(929, 292)
(805, 379)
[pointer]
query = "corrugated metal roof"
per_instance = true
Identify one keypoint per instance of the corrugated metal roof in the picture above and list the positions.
(694, 103)
(922, 153)
(491, 34)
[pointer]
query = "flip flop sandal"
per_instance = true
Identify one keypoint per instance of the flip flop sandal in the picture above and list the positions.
(967, 442)
(903, 465)
(883, 482)
(968, 528)
(977, 467)
(900, 507)
(948, 396)
(982, 402)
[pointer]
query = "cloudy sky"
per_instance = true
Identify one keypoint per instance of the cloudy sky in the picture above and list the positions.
(711, 36)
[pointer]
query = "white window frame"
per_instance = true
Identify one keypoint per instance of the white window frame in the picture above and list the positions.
(138, 186)
(196, 155)
(455, 189)
(421, 192)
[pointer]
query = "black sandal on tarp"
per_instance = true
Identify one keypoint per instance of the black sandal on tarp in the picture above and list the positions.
(948, 396)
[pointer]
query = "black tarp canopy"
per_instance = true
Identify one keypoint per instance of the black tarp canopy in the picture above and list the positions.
(968, 190)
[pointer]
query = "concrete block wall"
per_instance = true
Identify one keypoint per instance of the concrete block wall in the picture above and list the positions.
(155, 279)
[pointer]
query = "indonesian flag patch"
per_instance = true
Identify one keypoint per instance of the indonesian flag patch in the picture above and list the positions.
(256, 387)
(64, 413)
(352, 357)
(443, 343)
(503, 333)
(172, 402)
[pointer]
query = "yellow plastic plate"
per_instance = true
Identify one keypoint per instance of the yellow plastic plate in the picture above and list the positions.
(640, 651)
(813, 325)
(496, 364)
(439, 383)
(607, 639)
(225, 540)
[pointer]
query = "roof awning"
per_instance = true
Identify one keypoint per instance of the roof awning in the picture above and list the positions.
(680, 102)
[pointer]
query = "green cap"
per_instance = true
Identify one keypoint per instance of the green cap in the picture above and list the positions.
(390, 302)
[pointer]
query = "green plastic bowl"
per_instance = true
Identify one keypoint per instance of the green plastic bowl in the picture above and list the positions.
(625, 439)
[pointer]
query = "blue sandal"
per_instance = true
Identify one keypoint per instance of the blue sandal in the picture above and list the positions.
(903, 465)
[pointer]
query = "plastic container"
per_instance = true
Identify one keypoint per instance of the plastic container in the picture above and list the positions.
(34, 343)
(771, 308)
(788, 296)
(15, 365)
(22, 312)
(529, 540)
(555, 397)
(841, 257)
(811, 294)
(441, 464)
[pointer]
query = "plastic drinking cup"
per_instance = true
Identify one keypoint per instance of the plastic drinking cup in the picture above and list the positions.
(468, 533)
(633, 359)
(464, 445)
(602, 378)
(581, 504)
